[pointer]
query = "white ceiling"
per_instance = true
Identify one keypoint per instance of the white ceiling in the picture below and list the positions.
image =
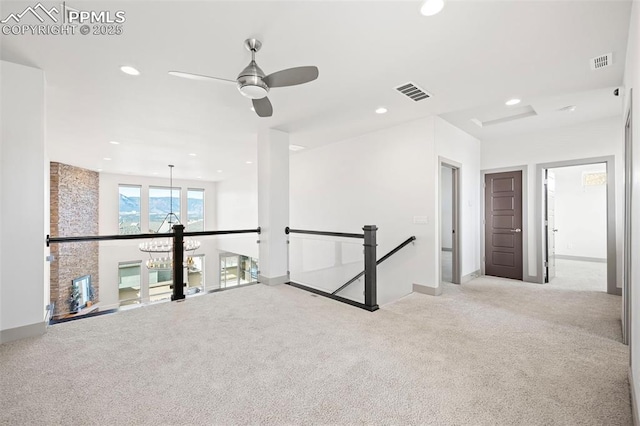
(472, 57)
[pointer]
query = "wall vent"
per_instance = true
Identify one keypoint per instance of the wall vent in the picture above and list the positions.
(412, 91)
(601, 61)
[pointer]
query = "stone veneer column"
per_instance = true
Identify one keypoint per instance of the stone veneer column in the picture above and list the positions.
(74, 212)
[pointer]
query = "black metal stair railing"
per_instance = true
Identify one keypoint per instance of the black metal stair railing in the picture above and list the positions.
(370, 272)
(370, 266)
(178, 244)
(382, 259)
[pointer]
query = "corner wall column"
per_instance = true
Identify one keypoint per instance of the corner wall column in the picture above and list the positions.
(273, 205)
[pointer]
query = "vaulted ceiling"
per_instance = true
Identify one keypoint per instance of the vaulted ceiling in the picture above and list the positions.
(471, 57)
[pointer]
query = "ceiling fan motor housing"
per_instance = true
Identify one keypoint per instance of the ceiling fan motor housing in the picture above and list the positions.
(250, 82)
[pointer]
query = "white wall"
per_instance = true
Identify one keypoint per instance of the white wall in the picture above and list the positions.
(388, 178)
(632, 80)
(580, 213)
(455, 145)
(24, 208)
(237, 208)
(113, 252)
(598, 138)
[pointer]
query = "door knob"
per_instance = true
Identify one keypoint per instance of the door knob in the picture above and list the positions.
(516, 230)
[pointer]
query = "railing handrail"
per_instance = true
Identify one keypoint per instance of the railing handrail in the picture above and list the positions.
(382, 259)
(288, 230)
(56, 240)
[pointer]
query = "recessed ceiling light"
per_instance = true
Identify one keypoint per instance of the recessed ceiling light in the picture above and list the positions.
(114, 142)
(199, 177)
(512, 102)
(99, 170)
(192, 154)
(107, 159)
(431, 7)
(219, 171)
(154, 173)
(381, 110)
(129, 70)
(296, 147)
(249, 162)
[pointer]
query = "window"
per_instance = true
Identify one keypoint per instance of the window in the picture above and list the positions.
(236, 269)
(129, 209)
(129, 282)
(195, 210)
(160, 282)
(195, 274)
(162, 202)
(594, 178)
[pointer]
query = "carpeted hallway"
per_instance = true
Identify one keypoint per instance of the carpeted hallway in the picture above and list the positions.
(490, 352)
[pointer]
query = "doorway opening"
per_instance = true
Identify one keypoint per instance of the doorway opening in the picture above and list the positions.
(449, 222)
(578, 236)
(575, 226)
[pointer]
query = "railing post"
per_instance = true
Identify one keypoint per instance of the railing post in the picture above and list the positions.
(178, 262)
(370, 272)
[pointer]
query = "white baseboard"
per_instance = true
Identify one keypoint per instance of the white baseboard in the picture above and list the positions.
(581, 258)
(274, 280)
(431, 291)
(18, 333)
(634, 401)
(469, 277)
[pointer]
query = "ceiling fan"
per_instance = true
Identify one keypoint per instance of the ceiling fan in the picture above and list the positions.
(254, 84)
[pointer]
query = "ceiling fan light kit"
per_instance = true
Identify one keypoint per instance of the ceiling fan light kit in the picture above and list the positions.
(254, 84)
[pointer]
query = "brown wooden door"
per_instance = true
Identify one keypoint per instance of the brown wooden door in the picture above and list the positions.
(503, 225)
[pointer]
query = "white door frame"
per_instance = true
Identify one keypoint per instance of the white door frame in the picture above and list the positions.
(627, 259)
(612, 287)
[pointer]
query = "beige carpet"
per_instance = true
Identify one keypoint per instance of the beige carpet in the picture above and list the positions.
(490, 352)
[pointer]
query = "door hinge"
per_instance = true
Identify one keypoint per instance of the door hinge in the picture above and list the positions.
(546, 264)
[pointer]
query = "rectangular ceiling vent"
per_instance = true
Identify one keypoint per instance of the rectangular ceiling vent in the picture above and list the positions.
(413, 92)
(601, 61)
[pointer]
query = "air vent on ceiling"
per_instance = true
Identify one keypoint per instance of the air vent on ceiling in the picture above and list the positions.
(601, 61)
(413, 92)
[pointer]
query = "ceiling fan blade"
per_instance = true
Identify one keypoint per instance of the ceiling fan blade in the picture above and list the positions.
(263, 107)
(198, 76)
(291, 76)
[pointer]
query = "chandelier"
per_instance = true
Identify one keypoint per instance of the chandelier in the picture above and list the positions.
(165, 246)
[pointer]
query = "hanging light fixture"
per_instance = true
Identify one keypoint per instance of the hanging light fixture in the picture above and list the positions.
(166, 246)
(431, 7)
